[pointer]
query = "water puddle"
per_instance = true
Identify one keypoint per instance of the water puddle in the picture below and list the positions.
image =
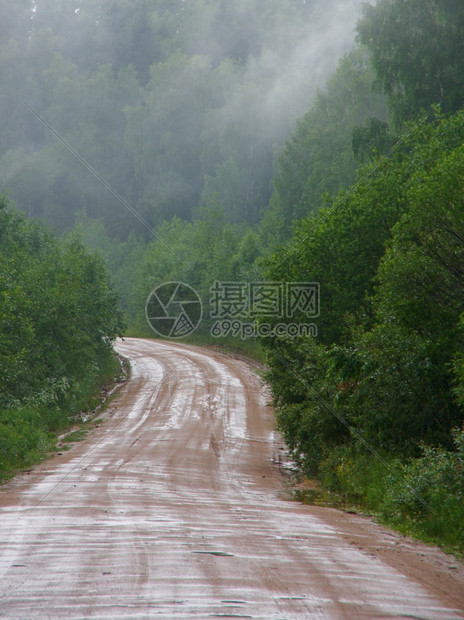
(217, 553)
(310, 493)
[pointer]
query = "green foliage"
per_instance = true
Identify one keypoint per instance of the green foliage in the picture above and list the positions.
(355, 476)
(386, 373)
(123, 257)
(389, 259)
(422, 496)
(164, 142)
(341, 245)
(417, 50)
(318, 159)
(408, 356)
(402, 392)
(58, 319)
(77, 435)
(371, 139)
(197, 254)
(173, 103)
(301, 389)
(422, 276)
(458, 367)
(23, 439)
(427, 496)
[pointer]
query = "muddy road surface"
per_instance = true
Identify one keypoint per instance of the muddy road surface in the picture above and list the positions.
(174, 508)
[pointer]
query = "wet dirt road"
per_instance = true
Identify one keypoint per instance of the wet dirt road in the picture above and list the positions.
(173, 508)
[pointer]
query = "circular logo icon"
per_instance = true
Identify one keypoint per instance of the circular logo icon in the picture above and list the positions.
(174, 310)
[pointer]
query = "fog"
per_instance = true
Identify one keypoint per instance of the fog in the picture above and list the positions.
(175, 103)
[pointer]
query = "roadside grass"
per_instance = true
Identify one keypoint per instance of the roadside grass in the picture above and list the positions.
(22, 443)
(78, 435)
(423, 498)
(139, 332)
(31, 433)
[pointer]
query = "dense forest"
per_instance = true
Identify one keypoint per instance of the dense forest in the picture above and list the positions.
(177, 104)
(212, 141)
(58, 319)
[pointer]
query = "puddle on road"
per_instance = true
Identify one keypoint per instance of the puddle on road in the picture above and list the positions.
(217, 553)
(316, 497)
(231, 616)
(309, 492)
(231, 613)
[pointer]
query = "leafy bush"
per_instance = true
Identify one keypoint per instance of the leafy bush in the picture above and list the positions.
(58, 318)
(387, 369)
(429, 498)
(390, 262)
(58, 313)
(422, 496)
(23, 438)
(356, 476)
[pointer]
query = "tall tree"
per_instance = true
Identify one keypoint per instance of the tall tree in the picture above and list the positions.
(383, 359)
(417, 49)
(318, 159)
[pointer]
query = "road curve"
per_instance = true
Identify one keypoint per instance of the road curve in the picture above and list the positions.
(173, 509)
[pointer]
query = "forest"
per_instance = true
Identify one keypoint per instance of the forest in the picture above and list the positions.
(151, 141)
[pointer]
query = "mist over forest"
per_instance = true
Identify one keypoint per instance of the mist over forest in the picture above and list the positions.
(246, 141)
(176, 104)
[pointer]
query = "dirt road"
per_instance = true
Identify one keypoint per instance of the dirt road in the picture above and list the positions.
(173, 508)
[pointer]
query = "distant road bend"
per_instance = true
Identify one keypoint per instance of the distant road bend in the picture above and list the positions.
(178, 512)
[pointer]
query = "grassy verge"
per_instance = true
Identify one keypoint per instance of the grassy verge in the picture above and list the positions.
(421, 497)
(29, 434)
